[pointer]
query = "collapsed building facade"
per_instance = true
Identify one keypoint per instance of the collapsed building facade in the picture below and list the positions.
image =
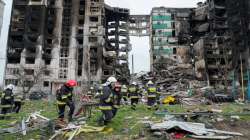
(88, 40)
(220, 34)
(213, 37)
(51, 41)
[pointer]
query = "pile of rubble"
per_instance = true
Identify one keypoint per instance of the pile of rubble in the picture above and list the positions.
(190, 125)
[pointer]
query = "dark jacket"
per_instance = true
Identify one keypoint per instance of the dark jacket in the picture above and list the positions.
(153, 92)
(117, 97)
(106, 98)
(64, 95)
(7, 97)
(134, 92)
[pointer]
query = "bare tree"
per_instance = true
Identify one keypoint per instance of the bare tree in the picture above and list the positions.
(28, 78)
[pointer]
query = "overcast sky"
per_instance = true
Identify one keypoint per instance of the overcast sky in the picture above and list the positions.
(140, 7)
(140, 45)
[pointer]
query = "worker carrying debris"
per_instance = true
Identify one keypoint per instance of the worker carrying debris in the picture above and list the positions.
(64, 97)
(7, 100)
(152, 95)
(124, 93)
(107, 101)
(116, 98)
(18, 100)
(133, 94)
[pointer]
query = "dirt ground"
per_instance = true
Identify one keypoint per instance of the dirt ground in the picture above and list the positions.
(236, 126)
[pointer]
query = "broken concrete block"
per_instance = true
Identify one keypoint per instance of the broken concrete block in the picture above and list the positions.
(157, 134)
(235, 117)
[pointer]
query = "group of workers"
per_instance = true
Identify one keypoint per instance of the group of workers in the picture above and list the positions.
(110, 95)
(113, 93)
(10, 102)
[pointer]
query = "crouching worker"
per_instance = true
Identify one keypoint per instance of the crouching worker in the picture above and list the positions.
(106, 101)
(7, 100)
(64, 97)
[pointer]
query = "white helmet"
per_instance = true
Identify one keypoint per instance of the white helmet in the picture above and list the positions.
(10, 86)
(150, 83)
(111, 80)
(124, 86)
(91, 88)
(134, 83)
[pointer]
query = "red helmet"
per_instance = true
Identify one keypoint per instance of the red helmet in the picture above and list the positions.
(118, 87)
(71, 83)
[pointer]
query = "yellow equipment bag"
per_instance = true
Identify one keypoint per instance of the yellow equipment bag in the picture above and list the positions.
(168, 100)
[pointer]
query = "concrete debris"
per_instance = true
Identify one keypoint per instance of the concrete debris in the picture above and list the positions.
(36, 121)
(73, 130)
(23, 128)
(219, 119)
(235, 117)
(169, 117)
(69, 127)
(193, 101)
(216, 110)
(193, 128)
(33, 122)
(36, 116)
(211, 137)
(157, 134)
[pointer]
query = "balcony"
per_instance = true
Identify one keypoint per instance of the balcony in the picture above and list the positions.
(111, 33)
(123, 33)
(112, 25)
(123, 57)
(124, 41)
(20, 2)
(110, 54)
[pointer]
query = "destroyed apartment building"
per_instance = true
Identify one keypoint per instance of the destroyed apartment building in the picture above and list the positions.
(164, 26)
(221, 43)
(167, 24)
(212, 37)
(51, 41)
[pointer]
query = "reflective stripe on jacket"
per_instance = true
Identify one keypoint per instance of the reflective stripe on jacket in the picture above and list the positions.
(105, 107)
(106, 98)
(152, 91)
(63, 95)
